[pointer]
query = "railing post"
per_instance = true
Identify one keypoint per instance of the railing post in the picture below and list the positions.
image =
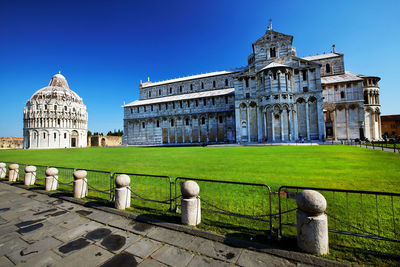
(3, 170)
(312, 222)
(122, 192)
(13, 174)
(80, 184)
(30, 175)
(190, 203)
(51, 181)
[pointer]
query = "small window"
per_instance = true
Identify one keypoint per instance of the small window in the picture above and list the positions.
(188, 103)
(226, 99)
(247, 95)
(203, 120)
(45, 106)
(191, 87)
(173, 105)
(213, 101)
(305, 89)
(187, 121)
(138, 110)
(220, 119)
(247, 82)
(131, 110)
(172, 123)
(197, 103)
(158, 124)
(55, 107)
(304, 75)
(151, 107)
(341, 94)
(328, 68)
(159, 92)
(44, 135)
(202, 85)
(214, 84)
(272, 52)
(144, 108)
(143, 125)
(159, 106)
(348, 85)
(55, 136)
(65, 135)
(170, 90)
(149, 93)
(226, 82)
(180, 89)
(65, 107)
(58, 121)
(274, 74)
(166, 106)
(204, 102)
(180, 104)
(336, 87)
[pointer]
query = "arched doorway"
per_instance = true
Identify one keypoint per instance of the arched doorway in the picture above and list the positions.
(74, 139)
(103, 141)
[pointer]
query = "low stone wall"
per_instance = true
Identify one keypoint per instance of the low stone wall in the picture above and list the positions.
(10, 142)
(100, 140)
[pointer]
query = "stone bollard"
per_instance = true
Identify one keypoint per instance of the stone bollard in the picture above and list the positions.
(80, 184)
(51, 179)
(312, 222)
(3, 170)
(190, 201)
(13, 173)
(30, 175)
(122, 192)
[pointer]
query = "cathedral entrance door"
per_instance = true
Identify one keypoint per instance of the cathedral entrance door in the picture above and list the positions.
(74, 139)
(73, 142)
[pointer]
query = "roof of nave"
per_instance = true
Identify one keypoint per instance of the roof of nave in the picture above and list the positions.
(274, 65)
(181, 97)
(192, 77)
(346, 77)
(323, 56)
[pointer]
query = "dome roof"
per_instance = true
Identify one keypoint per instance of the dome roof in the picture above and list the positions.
(58, 90)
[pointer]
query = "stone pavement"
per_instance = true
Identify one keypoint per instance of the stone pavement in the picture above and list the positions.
(41, 230)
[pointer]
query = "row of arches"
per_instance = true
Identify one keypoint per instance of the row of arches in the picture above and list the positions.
(54, 139)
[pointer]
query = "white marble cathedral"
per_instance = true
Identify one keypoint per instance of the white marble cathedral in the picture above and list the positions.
(277, 97)
(55, 117)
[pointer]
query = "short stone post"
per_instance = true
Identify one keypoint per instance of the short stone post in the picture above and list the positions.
(13, 173)
(30, 175)
(122, 192)
(80, 184)
(312, 222)
(190, 201)
(51, 181)
(3, 170)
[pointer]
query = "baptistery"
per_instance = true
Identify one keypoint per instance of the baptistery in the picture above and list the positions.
(55, 117)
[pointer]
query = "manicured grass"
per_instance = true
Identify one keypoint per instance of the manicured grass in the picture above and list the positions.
(344, 167)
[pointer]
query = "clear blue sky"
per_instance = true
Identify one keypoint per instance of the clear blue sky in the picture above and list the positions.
(104, 48)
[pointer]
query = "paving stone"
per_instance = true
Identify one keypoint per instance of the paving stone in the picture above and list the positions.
(103, 217)
(11, 245)
(47, 229)
(12, 235)
(140, 228)
(19, 255)
(7, 228)
(74, 223)
(171, 237)
(172, 256)
(144, 247)
(48, 258)
(78, 231)
(70, 206)
(100, 233)
(118, 241)
(251, 258)
(4, 262)
(122, 222)
(214, 249)
(62, 218)
(151, 263)
(204, 261)
(89, 256)
(122, 259)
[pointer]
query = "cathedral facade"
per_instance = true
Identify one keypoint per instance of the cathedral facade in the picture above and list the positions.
(277, 97)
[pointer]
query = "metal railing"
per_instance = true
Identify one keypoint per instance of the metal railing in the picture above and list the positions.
(351, 212)
(251, 201)
(152, 188)
(99, 182)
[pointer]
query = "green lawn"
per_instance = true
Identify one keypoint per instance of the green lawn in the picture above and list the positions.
(340, 166)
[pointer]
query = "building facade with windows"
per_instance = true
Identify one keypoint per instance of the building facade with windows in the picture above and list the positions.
(55, 117)
(391, 126)
(277, 97)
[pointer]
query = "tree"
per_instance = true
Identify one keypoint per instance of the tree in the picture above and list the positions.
(89, 133)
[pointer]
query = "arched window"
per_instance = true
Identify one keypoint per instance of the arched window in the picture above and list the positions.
(188, 103)
(173, 105)
(55, 107)
(202, 85)
(143, 125)
(214, 84)
(203, 120)
(204, 102)
(65, 135)
(45, 106)
(55, 136)
(328, 68)
(172, 122)
(180, 89)
(272, 52)
(44, 135)
(342, 94)
(187, 121)
(180, 104)
(149, 93)
(226, 82)
(213, 101)
(151, 107)
(58, 122)
(144, 108)
(247, 82)
(170, 90)
(197, 103)
(226, 99)
(166, 106)
(159, 92)
(65, 107)
(191, 87)
(158, 124)
(220, 119)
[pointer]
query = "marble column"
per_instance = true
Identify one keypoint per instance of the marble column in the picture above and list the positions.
(308, 120)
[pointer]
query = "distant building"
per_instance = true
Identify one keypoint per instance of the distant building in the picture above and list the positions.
(55, 117)
(10, 142)
(391, 125)
(277, 97)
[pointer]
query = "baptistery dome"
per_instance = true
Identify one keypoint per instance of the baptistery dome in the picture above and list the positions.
(55, 117)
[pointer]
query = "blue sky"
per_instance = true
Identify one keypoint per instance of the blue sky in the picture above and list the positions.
(104, 48)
